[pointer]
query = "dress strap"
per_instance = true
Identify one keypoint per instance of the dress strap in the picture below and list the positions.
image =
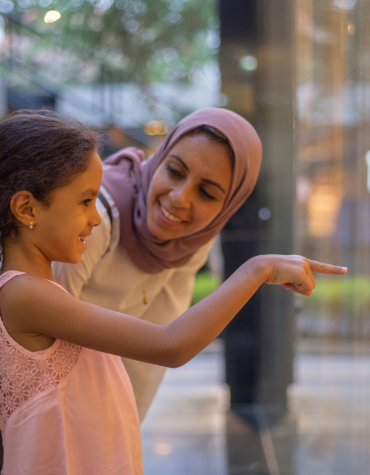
(8, 275)
(13, 273)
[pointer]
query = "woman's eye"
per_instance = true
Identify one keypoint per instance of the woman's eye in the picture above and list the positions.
(207, 195)
(173, 172)
(86, 202)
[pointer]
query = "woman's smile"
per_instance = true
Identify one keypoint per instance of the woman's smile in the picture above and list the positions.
(169, 216)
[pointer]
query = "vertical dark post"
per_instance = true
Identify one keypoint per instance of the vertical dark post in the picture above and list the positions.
(256, 66)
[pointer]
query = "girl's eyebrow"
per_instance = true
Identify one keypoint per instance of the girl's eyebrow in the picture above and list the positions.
(90, 191)
(203, 179)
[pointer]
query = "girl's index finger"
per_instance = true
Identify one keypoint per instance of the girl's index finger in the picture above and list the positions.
(323, 268)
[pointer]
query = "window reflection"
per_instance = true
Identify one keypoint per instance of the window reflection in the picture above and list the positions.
(333, 142)
(332, 127)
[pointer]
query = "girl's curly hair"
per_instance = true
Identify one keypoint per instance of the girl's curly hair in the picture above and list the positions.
(39, 152)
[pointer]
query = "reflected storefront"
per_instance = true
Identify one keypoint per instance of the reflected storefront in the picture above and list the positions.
(332, 164)
(330, 397)
(325, 46)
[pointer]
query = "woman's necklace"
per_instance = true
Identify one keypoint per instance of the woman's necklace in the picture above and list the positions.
(145, 300)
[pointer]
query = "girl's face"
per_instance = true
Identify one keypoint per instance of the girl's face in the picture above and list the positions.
(189, 188)
(62, 228)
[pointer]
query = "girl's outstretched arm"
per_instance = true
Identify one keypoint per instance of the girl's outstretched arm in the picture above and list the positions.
(33, 306)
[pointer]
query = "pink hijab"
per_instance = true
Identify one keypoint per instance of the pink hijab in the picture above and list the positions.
(127, 177)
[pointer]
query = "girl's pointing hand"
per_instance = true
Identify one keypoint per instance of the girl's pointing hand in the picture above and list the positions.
(295, 272)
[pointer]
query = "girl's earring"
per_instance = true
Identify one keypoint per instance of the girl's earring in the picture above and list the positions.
(31, 225)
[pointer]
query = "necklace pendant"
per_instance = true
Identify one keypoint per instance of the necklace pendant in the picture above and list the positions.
(145, 300)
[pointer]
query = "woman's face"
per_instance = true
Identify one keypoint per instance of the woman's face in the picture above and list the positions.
(189, 188)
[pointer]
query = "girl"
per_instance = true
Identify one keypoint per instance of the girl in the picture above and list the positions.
(165, 212)
(66, 403)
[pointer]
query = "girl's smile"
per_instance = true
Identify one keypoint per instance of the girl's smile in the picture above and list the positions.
(189, 188)
(82, 238)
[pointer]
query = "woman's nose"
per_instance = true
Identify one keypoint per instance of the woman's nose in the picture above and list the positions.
(181, 196)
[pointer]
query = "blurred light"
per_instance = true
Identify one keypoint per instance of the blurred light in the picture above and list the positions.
(6, 6)
(30, 15)
(264, 214)
(95, 23)
(51, 16)
(174, 17)
(163, 448)
(367, 160)
(121, 4)
(169, 54)
(214, 22)
(156, 127)
(323, 208)
(351, 29)
(249, 63)
(77, 19)
(221, 100)
(131, 26)
(213, 39)
(2, 30)
(345, 4)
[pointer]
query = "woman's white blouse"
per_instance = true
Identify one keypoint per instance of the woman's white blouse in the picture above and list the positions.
(107, 277)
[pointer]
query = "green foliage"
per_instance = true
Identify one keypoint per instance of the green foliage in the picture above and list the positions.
(126, 40)
(340, 295)
(205, 283)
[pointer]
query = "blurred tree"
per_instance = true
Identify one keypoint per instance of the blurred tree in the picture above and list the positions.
(122, 40)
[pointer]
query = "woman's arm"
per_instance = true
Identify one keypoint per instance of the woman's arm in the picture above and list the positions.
(32, 305)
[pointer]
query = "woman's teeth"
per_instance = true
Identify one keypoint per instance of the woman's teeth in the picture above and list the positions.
(170, 216)
(83, 239)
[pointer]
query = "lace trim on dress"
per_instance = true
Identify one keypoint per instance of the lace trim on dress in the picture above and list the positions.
(9, 275)
(22, 376)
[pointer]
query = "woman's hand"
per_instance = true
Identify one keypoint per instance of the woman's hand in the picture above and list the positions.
(294, 272)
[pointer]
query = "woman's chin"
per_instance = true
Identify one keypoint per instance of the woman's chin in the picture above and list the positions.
(162, 232)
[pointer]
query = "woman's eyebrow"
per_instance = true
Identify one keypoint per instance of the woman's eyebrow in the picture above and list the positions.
(181, 161)
(203, 179)
(214, 183)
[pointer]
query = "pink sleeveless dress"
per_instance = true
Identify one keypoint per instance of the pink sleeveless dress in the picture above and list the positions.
(66, 410)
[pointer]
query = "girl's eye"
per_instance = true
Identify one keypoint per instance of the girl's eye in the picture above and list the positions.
(173, 172)
(207, 195)
(86, 202)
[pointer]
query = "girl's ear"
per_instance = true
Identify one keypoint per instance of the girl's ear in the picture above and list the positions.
(23, 206)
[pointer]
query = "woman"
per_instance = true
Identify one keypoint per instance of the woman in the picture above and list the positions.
(159, 218)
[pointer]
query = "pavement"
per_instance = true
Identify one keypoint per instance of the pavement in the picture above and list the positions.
(190, 429)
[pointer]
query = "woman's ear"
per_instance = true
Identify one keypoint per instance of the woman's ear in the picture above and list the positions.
(23, 206)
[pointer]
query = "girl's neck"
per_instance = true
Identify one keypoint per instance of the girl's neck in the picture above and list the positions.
(18, 258)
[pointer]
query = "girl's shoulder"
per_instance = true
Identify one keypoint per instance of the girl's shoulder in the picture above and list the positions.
(20, 298)
(16, 279)
(20, 291)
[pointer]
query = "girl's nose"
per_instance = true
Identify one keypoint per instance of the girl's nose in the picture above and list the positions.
(95, 218)
(181, 196)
